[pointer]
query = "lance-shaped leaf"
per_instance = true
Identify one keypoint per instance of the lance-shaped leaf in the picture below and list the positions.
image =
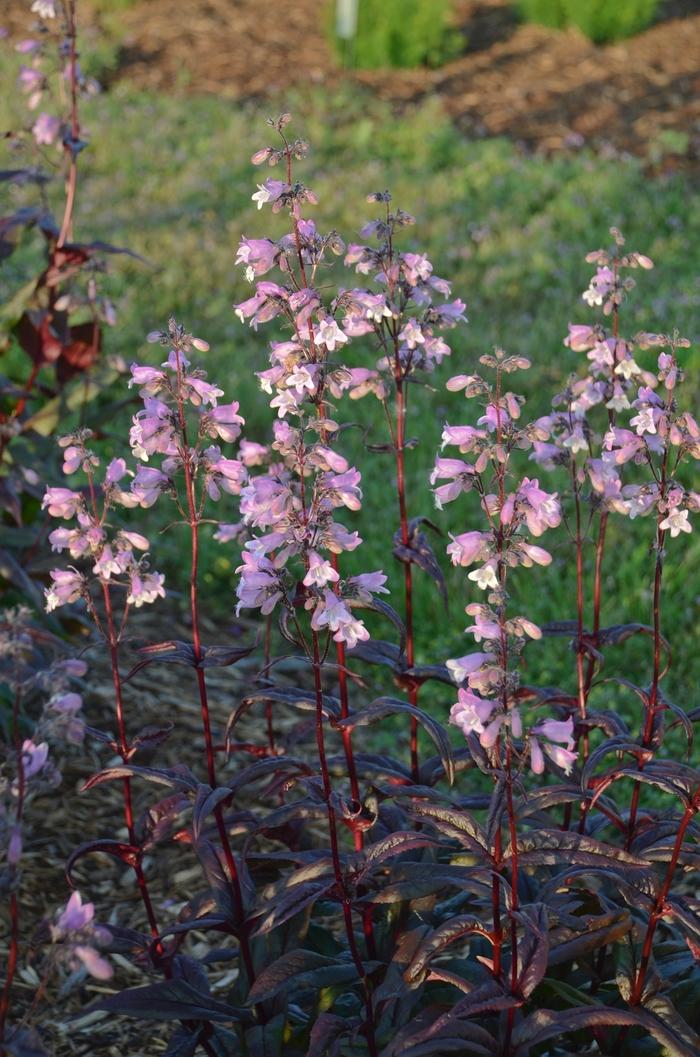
(291, 766)
(303, 700)
(327, 1031)
(180, 778)
(533, 947)
(456, 823)
(550, 847)
(417, 551)
(596, 932)
(546, 1024)
(286, 905)
(302, 969)
(24, 1042)
(184, 1042)
(389, 706)
(389, 847)
(129, 854)
(415, 880)
(450, 932)
(176, 652)
(170, 1000)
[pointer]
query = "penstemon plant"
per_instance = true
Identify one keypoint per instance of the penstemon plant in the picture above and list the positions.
(353, 903)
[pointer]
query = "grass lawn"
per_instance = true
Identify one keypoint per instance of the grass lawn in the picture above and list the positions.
(171, 178)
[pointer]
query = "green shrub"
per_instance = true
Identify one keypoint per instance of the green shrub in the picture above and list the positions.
(400, 33)
(601, 20)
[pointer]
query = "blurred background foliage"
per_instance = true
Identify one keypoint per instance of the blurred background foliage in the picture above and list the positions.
(169, 175)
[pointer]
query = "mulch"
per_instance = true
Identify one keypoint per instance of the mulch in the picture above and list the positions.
(544, 88)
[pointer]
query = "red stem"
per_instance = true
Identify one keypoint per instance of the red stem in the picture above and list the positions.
(660, 904)
(401, 408)
(335, 852)
(193, 521)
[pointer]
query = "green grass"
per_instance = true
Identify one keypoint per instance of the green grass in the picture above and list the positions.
(171, 178)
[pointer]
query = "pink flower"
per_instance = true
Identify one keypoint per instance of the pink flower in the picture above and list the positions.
(199, 391)
(365, 585)
(151, 379)
(69, 703)
(470, 712)
(331, 612)
(34, 757)
(68, 586)
(228, 475)
(462, 667)
(581, 338)
(259, 255)
(145, 588)
(342, 489)
(412, 334)
(675, 522)
(540, 509)
(224, 422)
(62, 502)
(148, 485)
(465, 438)
(259, 584)
(45, 129)
(469, 547)
(320, 571)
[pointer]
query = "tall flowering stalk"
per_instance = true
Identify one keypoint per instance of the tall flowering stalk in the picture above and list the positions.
(487, 710)
(292, 557)
(116, 580)
(406, 314)
(571, 436)
(192, 472)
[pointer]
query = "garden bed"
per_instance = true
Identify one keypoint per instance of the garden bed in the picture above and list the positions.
(546, 88)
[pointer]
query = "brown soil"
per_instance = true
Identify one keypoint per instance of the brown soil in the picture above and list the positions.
(542, 87)
(545, 88)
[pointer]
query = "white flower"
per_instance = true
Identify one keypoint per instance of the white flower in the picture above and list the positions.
(484, 577)
(261, 196)
(44, 8)
(644, 422)
(627, 368)
(676, 522)
(330, 334)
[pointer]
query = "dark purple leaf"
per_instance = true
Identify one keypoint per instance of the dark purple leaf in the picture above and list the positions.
(549, 847)
(302, 969)
(455, 929)
(170, 1000)
(391, 846)
(595, 933)
(417, 551)
(389, 706)
(327, 1031)
(379, 606)
(129, 854)
(533, 947)
(180, 778)
(455, 823)
(292, 902)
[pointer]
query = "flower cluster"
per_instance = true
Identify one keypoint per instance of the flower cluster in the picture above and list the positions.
(289, 509)
(115, 556)
(407, 310)
(657, 434)
(515, 512)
